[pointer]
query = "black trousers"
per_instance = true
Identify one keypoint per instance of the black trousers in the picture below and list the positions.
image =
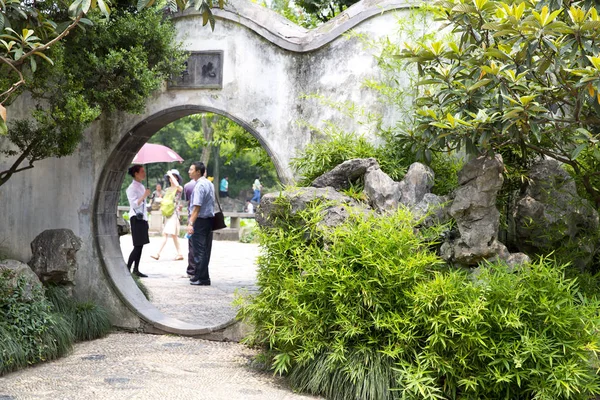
(202, 245)
(191, 268)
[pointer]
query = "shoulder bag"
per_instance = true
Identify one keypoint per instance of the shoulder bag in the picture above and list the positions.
(219, 219)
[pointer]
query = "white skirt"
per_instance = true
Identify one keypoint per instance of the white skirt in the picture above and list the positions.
(172, 225)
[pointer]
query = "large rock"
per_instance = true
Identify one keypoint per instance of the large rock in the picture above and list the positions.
(432, 209)
(417, 182)
(286, 204)
(123, 227)
(384, 194)
(344, 174)
(549, 214)
(19, 270)
(477, 218)
(381, 190)
(54, 255)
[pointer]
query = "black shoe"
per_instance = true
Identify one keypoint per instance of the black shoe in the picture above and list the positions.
(199, 283)
(138, 273)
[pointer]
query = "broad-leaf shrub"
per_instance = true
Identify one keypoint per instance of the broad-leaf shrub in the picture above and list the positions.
(366, 311)
(30, 332)
(38, 324)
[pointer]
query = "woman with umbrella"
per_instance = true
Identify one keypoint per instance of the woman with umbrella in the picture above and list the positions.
(170, 210)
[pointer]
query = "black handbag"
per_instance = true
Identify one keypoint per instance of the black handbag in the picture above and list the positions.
(219, 219)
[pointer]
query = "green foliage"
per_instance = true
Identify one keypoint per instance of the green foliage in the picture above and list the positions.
(518, 335)
(365, 310)
(317, 307)
(119, 63)
(112, 65)
(321, 156)
(325, 10)
(90, 321)
(241, 156)
(86, 320)
(248, 231)
(294, 13)
(31, 331)
(524, 77)
(336, 146)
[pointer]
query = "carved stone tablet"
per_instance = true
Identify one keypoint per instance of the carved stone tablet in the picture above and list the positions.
(204, 70)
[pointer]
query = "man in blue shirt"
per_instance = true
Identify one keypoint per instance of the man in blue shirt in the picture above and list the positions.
(200, 221)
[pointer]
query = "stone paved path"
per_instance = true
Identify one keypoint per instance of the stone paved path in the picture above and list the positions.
(232, 267)
(148, 367)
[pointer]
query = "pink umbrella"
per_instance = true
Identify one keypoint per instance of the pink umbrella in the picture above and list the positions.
(152, 153)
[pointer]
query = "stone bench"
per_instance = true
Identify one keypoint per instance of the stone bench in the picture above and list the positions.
(236, 216)
(233, 231)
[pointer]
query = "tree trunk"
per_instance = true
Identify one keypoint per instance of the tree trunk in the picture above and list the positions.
(217, 181)
(207, 131)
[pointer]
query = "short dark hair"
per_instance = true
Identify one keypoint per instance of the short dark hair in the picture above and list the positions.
(199, 166)
(134, 169)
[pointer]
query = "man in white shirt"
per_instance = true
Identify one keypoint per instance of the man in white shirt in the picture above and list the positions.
(138, 217)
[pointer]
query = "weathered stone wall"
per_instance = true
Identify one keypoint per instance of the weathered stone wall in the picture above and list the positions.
(268, 64)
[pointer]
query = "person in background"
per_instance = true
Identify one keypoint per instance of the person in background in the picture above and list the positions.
(158, 192)
(224, 187)
(249, 207)
(172, 226)
(202, 206)
(138, 211)
(156, 198)
(257, 187)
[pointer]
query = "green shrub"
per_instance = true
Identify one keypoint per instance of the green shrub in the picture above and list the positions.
(86, 320)
(12, 356)
(317, 308)
(516, 335)
(31, 332)
(61, 301)
(90, 321)
(366, 311)
(321, 156)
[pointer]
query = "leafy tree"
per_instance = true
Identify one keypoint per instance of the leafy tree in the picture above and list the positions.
(519, 78)
(294, 13)
(107, 64)
(325, 10)
(232, 151)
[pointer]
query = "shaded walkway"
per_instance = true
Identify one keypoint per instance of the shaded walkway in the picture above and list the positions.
(232, 266)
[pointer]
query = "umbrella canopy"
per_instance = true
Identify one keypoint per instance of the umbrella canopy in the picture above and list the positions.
(153, 153)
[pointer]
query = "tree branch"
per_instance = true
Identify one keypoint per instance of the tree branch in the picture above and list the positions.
(6, 174)
(50, 43)
(16, 84)
(21, 60)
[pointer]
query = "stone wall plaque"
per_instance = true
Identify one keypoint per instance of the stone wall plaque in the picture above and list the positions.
(203, 70)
